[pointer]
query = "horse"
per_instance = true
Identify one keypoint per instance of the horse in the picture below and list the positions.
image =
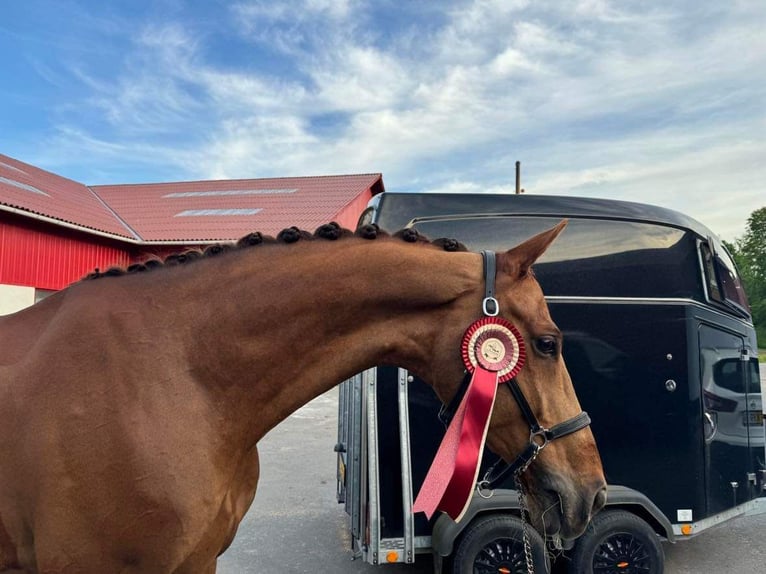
(131, 404)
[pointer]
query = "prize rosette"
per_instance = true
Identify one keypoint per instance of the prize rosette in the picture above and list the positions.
(493, 352)
(494, 344)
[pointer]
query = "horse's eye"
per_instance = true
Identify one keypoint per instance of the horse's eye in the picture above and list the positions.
(546, 345)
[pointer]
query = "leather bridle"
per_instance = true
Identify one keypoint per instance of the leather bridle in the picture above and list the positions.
(539, 436)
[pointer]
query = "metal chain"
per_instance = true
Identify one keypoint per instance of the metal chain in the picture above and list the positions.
(524, 524)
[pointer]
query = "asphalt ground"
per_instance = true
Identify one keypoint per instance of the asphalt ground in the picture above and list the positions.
(295, 525)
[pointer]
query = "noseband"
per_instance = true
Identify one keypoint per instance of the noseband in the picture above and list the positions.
(539, 436)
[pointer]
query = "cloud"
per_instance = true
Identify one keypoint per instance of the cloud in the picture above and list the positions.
(658, 103)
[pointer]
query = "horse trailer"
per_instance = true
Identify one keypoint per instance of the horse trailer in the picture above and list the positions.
(660, 345)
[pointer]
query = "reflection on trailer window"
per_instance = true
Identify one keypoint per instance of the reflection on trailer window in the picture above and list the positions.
(728, 375)
(721, 279)
(711, 279)
(592, 257)
(730, 282)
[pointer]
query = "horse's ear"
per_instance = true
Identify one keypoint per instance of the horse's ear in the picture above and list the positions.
(517, 261)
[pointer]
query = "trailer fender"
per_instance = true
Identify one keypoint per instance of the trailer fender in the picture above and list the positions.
(639, 504)
(446, 530)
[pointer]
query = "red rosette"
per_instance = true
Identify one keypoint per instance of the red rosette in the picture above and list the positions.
(493, 352)
(494, 344)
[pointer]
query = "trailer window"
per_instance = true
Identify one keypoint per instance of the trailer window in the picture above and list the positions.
(711, 277)
(721, 278)
(592, 257)
(730, 281)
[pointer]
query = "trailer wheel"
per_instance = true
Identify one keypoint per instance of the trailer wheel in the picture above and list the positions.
(617, 542)
(493, 544)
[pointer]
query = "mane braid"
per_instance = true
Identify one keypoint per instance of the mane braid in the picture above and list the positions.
(450, 245)
(329, 231)
(217, 249)
(332, 231)
(370, 231)
(411, 235)
(293, 234)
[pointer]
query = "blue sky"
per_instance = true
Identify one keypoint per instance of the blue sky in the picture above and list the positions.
(661, 102)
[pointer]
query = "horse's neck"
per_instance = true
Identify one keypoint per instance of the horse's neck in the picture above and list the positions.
(21, 330)
(288, 323)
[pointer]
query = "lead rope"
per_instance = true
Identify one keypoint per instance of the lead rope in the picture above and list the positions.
(524, 524)
(524, 511)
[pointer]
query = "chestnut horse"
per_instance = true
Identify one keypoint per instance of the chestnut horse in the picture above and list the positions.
(131, 406)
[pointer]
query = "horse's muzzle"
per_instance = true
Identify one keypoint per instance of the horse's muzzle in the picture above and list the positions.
(566, 509)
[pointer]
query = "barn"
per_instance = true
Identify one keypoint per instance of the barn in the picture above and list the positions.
(54, 230)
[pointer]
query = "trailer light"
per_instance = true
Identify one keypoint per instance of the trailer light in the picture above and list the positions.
(392, 557)
(686, 529)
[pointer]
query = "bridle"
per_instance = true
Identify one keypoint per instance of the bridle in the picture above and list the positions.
(539, 436)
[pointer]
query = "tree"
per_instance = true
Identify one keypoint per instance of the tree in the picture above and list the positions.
(749, 252)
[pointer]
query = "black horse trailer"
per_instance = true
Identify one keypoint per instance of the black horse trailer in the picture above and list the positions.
(660, 345)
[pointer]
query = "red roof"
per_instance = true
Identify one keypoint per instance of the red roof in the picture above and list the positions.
(196, 211)
(33, 190)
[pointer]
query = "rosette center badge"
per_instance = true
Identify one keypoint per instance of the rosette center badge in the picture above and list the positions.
(495, 345)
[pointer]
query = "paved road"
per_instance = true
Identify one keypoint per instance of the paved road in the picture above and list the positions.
(296, 527)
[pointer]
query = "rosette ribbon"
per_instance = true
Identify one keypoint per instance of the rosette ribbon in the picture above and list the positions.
(493, 352)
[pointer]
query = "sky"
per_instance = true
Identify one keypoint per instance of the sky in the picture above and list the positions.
(658, 102)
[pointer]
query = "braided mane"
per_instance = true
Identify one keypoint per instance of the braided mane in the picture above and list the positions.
(328, 231)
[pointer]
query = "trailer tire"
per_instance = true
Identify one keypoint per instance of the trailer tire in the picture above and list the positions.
(493, 542)
(618, 542)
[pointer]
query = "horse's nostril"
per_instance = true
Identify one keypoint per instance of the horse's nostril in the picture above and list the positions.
(599, 500)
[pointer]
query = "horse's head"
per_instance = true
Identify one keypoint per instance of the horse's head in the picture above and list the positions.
(565, 484)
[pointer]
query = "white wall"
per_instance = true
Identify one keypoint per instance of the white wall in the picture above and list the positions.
(13, 298)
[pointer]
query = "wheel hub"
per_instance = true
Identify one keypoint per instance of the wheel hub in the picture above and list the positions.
(501, 556)
(621, 554)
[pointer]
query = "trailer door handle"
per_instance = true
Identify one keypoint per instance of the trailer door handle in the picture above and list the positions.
(711, 424)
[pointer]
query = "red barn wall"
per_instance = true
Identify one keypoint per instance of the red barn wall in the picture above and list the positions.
(349, 216)
(50, 257)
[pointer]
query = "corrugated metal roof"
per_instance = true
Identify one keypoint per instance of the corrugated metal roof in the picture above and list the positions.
(233, 208)
(33, 190)
(214, 210)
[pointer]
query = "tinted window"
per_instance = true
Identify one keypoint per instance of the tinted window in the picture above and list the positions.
(729, 280)
(592, 257)
(711, 277)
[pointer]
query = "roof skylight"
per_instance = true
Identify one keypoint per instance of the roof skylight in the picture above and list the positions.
(215, 212)
(225, 192)
(13, 167)
(23, 186)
